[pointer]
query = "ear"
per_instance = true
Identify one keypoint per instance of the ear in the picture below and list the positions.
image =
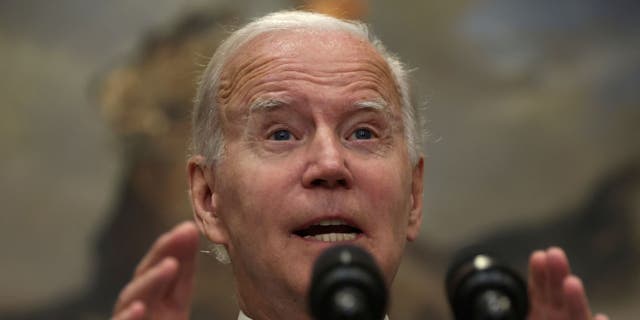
(204, 198)
(415, 215)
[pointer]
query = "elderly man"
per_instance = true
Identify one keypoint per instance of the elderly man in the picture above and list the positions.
(304, 137)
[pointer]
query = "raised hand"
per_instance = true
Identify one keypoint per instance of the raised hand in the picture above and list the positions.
(162, 285)
(555, 293)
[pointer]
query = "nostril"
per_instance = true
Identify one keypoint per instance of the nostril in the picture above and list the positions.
(329, 183)
(319, 182)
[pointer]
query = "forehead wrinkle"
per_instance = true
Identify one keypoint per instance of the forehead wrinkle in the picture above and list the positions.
(252, 72)
(262, 99)
(269, 76)
(290, 68)
(381, 106)
(373, 71)
(383, 88)
(233, 78)
(342, 67)
(346, 78)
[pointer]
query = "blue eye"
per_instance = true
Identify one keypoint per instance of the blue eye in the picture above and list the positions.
(281, 135)
(363, 134)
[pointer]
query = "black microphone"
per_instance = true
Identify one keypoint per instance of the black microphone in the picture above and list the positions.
(346, 284)
(479, 288)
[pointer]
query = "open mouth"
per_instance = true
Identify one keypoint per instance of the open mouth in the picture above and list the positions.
(332, 230)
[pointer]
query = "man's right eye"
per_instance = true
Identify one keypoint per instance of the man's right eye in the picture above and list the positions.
(281, 135)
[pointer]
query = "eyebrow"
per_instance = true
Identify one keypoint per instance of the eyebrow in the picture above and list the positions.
(266, 105)
(377, 104)
(271, 104)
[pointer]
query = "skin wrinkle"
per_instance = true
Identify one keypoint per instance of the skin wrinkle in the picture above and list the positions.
(233, 79)
(272, 104)
(365, 42)
(263, 107)
(256, 206)
(267, 114)
(259, 82)
(255, 87)
(373, 114)
(266, 104)
(256, 82)
(262, 197)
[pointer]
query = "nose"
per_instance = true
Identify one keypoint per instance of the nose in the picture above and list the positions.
(327, 165)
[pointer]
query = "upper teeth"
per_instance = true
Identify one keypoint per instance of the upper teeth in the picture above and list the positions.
(333, 237)
(333, 222)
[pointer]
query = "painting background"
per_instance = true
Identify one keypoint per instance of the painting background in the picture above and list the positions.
(534, 122)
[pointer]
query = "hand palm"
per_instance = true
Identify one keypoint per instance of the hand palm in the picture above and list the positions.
(162, 285)
(554, 293)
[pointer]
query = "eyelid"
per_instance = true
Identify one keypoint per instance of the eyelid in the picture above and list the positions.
(273, 129)
(375, 133)
(274, 135)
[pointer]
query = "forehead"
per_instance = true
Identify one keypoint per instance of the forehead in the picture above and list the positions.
(333, 55)
(310, 44)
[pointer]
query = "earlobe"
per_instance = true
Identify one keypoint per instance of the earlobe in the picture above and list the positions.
(415, 215)
(204, 199)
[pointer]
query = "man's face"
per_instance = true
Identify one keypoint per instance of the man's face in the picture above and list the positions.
(315, 155)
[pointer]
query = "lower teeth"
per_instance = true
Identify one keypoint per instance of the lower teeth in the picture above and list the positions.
(333, 237)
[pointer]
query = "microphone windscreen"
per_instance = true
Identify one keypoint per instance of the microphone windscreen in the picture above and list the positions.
(346, 284)
(479, 288)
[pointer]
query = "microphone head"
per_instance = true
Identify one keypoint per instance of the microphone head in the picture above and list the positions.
(479, 288)
(346, 284)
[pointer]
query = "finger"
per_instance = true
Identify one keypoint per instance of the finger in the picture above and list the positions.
(135, 311)
(182, 287)
(576, 299)
(557, 271)
(169, 244)
(600, 316)
(537, 278)
(149, 286)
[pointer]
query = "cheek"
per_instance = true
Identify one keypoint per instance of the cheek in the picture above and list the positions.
(388, 187)
(390, 203)
(254, 192)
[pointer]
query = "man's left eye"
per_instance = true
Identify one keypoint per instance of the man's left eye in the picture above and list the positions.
(281, 135)
(362, 134)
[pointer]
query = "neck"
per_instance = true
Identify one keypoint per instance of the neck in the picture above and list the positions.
(273, 308)
(265, 303)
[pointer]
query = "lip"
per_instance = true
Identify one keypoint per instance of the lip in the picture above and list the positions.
(312, 239)
(317, 220)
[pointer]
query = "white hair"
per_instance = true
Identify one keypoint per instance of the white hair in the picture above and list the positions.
(207, 136)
